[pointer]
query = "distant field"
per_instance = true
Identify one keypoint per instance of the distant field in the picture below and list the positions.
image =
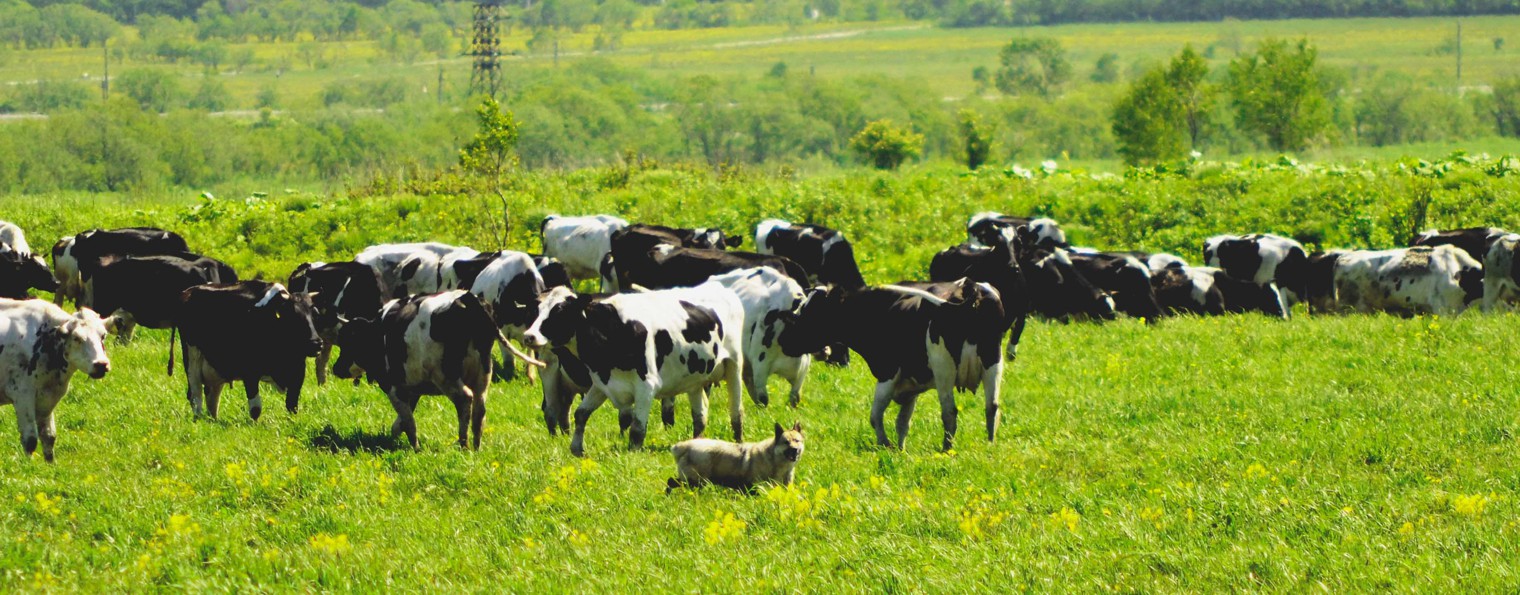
(943, 57)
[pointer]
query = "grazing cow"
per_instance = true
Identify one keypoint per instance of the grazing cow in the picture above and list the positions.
(667, 266)
(246, 331)
(1241, 297)
(1125, 278)
(984, 228)
(770, 300)
(407, 268)
(552, 270)
(632, 249)
(95, 248)
(1156, 261)
(913, 341)
(1475, 241)
(66, 272)
(639, 347)
(1407, 281)
(1057, 290)
(146, 290)
(566, 376)
(824, 253)
(580, 243)
(1263, 259)
(1501, 273)
(510, 284)
(997, 266)
(21, 272)
(427, 345)
(338, 291)
(1188, 290)
(41, 347)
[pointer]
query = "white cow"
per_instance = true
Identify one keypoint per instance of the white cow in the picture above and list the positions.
(41, 347)
(638, 347)
(1501, 273)
(580, 243)
(770, 300)
(411, 267)
(12, 237)
(1420, 280)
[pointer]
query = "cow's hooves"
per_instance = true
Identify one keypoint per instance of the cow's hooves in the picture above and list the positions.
(255, 413)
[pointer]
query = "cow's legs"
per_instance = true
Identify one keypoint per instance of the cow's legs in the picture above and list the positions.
(26, 421)
(905, 405)
(255, 401)
(698, 399)
(879, 409)
(464, 400)
(589, 402)
(213, 393)
(405, 422)
(948, 416)
(643, 401)
(992, 391)
(668, 411)
(732, 374)
(46, 427)
(755, 375)
(625, 421)
(799, 376)
(324, 354)
(194, 381)
(478, 413)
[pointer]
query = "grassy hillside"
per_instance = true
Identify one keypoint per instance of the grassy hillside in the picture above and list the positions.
(1336, 453)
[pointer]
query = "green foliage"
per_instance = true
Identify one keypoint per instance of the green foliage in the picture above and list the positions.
(48, 96)
(154, 89)
(211, 95)
(885, 146)
(1148, 121)
(1506, 106)
(490, 151)
(268, 97)
(1277, 94)
(1106, 69)
(1394, 110)
(1032, 65)
(978, 136)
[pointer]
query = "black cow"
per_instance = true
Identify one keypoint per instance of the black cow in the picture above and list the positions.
(1187, 290)
(246, 331)
(338, 291)
(21, 272)
(824, 253)
(1475, 241)
(1125, 278)
(93, 249)
(1244, 296)
(984, 228)
(423, 345)
(146, 290)
(631, 246)
(913, 341)
(668, 266)
(998, 267)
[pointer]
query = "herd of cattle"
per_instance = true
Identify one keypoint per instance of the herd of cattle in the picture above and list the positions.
(678, 313)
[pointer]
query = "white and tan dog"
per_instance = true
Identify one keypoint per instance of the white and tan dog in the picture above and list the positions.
(741, 466)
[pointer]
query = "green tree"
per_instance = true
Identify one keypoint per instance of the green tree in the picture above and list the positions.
(978, 137)
(490, 152)
(1276, 93)
(1188, 77)
(1106, 69)
(1506, 106)
(1148, 122)
(210, 96)
(1032, 65)
(885, 145)
(153, 89)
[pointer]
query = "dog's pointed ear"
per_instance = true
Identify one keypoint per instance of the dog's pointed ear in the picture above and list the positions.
(797, 427)
(779, 431)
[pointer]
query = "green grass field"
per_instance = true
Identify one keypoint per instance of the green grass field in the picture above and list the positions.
(1343, 454)
(943, 57)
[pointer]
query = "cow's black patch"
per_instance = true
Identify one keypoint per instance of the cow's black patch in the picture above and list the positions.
(47, 350)
(701, 323)
(663, 346)
(606, 342)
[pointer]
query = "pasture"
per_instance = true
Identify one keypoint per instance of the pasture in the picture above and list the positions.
(1337, 453)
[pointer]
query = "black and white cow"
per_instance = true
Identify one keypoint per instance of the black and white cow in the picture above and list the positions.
(824, 253)
(1475, 241)
(913, 341)
(633, 248)
(427, 345)
(552, 270)
(21, 272)
(246, 331)
(66, 272)
(580, 243)
(770, 300)
(642, 347)
(41, 347)
(13, 238)
(983, 229)
(1439, 280)
(1057, 290)
(1157, 261)
(667, 266)
(1124, 278)
(93, 249)
(997, 266)
(410, 268)
(1188, 290)
(1264, 259)
(338, 291)
(145, 290)
(510, 284)
(1501, 273)
(1242, 297)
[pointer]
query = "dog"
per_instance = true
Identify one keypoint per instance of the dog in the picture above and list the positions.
(702, 461)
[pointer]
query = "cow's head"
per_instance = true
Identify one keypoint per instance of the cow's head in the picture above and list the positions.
(360, 349)
(814, 325)
(290, 318)
(517, 306)
(1058, 288)
(82, 342)
(1048, 233)
(560, 314)
(711, 239)
(20, 271)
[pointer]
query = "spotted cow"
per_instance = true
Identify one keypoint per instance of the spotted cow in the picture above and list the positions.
(824, 253)
(1441, 280)
(246, 331)
(338, 291)
(580, 243)
(41, 347)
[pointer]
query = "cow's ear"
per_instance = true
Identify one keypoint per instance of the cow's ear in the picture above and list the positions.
(734, 241)
(779, 431)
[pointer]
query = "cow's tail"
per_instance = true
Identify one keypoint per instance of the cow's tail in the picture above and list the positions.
(170, 369)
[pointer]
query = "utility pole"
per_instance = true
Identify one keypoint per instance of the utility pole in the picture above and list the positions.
(485, 47)
(105, 80)
(440, 83)
(1459, 56)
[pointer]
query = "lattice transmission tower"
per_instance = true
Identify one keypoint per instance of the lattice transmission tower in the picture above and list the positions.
(485, 47)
